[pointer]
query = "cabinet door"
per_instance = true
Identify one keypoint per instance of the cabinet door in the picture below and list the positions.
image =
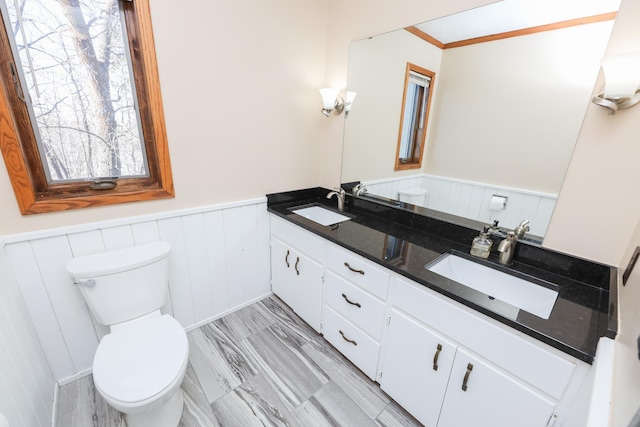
(298, 281)
(416, 367)
(491, 398)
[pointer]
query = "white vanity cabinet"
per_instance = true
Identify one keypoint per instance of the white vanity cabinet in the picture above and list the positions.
(486, 374)
(416, 367)
(296, 270)
(444, 362)
(355, 292)
(480, 394)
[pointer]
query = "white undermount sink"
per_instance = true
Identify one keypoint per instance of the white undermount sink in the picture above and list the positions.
(321, 215)
(525, 295)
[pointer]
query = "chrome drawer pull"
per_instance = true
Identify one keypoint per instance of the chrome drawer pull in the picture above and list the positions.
(296, 266)
(347, 339)
(466, 377)
(286, 258)
(346, 264)
(357, 304)
(435, 358)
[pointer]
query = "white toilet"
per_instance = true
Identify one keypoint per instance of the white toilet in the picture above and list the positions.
(139, 366)
(414, 195)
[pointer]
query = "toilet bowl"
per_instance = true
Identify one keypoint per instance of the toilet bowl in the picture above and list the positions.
(138, 367)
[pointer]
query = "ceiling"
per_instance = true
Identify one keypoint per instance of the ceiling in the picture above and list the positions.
(510, 15)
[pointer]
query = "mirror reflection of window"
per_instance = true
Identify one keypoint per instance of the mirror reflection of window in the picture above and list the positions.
(395, 250)
(416, 101)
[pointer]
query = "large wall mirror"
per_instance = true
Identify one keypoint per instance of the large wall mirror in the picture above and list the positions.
(506, 109)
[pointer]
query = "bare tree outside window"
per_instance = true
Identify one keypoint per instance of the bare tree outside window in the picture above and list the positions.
(74, 61)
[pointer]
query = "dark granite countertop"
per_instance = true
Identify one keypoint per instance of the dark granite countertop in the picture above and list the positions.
(405, 242)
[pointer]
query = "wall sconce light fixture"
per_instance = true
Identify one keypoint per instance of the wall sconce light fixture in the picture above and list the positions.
(331, 101)
(349, 102)
(622, 82)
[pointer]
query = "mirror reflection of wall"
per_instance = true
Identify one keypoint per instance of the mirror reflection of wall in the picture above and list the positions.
(505, 117)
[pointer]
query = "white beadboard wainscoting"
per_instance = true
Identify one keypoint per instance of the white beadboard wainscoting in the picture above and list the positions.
(219, 263)
(471, 200)
(26, 381)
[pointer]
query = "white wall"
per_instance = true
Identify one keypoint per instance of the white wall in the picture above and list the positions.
(219, 262)
(26, 382)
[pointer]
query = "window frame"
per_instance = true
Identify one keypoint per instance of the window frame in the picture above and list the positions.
(19, 149)
(416, 163)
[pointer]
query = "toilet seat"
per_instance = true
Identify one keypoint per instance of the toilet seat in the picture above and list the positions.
(141, 360)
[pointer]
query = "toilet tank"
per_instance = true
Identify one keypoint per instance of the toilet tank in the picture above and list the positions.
(129, 282)
(413, 195)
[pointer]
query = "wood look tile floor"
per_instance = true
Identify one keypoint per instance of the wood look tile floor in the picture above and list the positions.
(259, 366)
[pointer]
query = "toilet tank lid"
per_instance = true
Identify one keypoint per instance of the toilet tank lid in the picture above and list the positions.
(413, 191)
(111, 262)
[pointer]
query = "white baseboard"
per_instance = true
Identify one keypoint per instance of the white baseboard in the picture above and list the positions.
(224, 313)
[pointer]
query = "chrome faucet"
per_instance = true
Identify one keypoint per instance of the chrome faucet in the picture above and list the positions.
(506, 248)
(359, 189)
(339, 193)
(522, 228)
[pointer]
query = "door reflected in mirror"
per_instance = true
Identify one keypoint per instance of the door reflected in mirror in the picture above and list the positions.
(505, 114)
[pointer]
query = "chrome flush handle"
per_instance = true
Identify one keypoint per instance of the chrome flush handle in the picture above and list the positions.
(89, 283)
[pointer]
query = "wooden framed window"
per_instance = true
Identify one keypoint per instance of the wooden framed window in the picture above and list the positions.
(416, 102)
(80, 104)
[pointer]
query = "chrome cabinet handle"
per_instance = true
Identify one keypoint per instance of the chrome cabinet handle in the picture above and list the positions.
(89, 283)
(346, 264)
(466, 377)
(357, 304)
(296, 266)
(435, 357)
(286, 258)
(347, 339)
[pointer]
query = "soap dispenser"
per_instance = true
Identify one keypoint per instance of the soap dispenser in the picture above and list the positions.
(481, 246)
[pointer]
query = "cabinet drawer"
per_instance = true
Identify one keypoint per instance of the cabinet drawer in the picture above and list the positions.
(354, 344)
(530, 361)
(360, 308)
(295, 236)
(358, 270)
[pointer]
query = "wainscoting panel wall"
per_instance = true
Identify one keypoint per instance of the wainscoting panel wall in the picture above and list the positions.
(219, 262)
(472, 200)
(26, 382)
